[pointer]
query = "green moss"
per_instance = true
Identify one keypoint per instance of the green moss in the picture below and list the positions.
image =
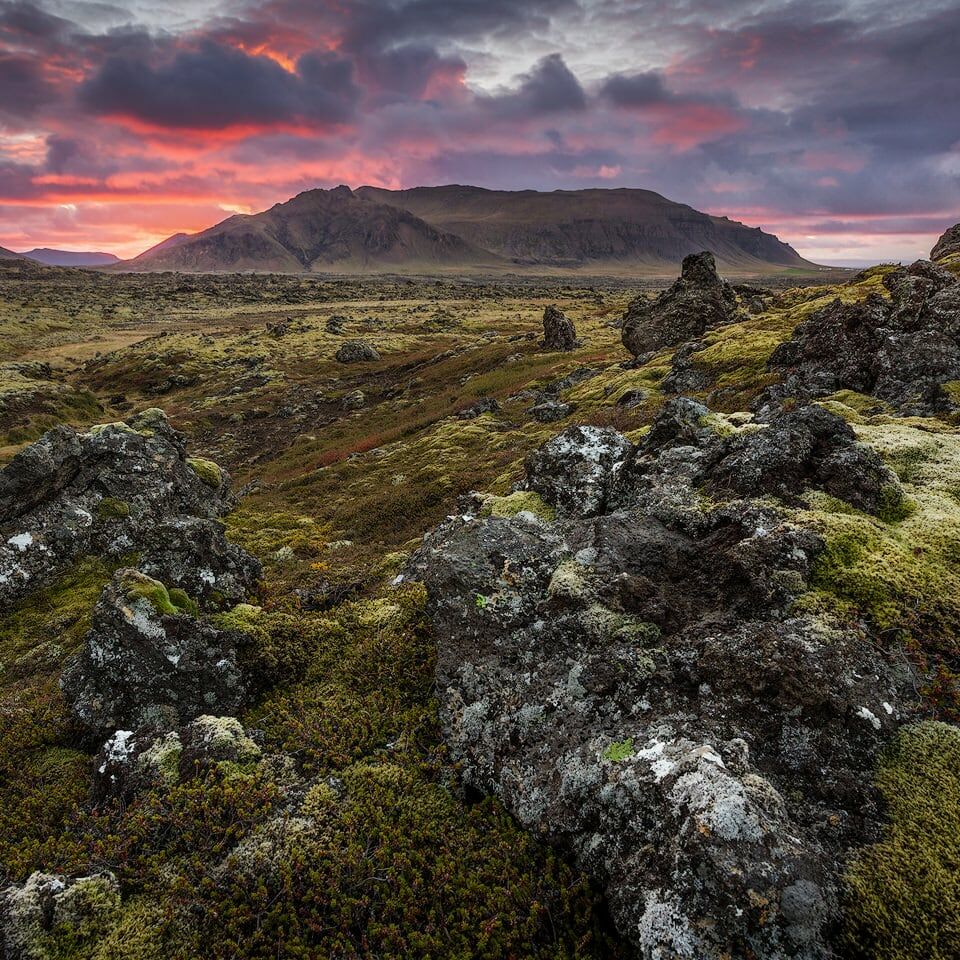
(207, 471)
(43, 775)
(109, 508)
(904, 892)
(138, 586)
(517, 502)
(619, 751)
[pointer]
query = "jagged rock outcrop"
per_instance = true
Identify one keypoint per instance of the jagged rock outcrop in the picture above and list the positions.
(130, 490)
(357, 351)
(698, 301)
(150, 660)
(901, 349)
(106, 492)
(948, 244)
(633, 681)
(559, 332)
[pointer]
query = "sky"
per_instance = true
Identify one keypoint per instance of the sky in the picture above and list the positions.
(834, 124)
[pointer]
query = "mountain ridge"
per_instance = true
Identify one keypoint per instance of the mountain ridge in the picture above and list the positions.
(70, 258)
(464, 228)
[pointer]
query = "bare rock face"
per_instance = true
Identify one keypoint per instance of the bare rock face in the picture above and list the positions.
(901, 350)
(357, 351)
(106, 492)
(631, 682)
(559, 332)
(698, 301)
(150, 660)
(948, 244)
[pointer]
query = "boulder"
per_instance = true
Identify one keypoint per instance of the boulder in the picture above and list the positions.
(948, 244)
(354, 400)
(150, 660)
(550, 411)
(633, 681)
(698, 301)
(559, 332)
(486, 405)
(357, 351)
(107, 492)
(901, 349)
(576, 469)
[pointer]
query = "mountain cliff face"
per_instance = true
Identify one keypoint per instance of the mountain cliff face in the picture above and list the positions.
(583, 227)
(316, 231)
(468, 228)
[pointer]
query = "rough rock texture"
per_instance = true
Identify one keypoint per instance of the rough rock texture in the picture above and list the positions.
(697, 301)
(559, 332)
(900, 349)
(949, 243)
(550, 411)
(357, 351)
(632, 682)
(47, 903)
(148, 662)
(107, 492)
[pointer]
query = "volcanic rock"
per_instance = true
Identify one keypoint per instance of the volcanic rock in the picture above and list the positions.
(698, 301)
(634, 684)
(559, 332)
(149, 660)
(106, 492)
(901, 350)
(949, 243)
(357, 351)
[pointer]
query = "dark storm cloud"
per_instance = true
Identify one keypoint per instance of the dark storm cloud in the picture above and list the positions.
(215, 87)
(25, 88)
(550, 87)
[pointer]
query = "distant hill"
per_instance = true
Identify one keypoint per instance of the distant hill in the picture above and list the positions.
(462, 228)
(6, 254)
(317, 231)
(70, 258)
(580, 228)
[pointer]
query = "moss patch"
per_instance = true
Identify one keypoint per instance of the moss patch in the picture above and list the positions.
(904, 892)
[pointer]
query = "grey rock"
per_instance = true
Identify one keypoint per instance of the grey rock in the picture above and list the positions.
(900, 350)
(559, 332)
(105, 493)
(630, 681)
(576, 469)
(948, 243)
(147, 663)
(698, 301)
(354, 400)
(357, 351)
(486, 405)
(550, 411)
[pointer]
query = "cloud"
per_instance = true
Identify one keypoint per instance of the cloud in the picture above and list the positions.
(549, 88)
(214, 87)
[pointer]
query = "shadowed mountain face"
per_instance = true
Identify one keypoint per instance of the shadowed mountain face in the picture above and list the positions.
(6, 254)
(70, 258)
(320, 230)
(467, 229)
(589, 227)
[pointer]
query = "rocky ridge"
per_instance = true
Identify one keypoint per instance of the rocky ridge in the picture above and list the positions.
(599, 673)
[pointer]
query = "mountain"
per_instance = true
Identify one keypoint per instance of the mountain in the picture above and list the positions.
(6, 254)
(461, 228)
(318, 231)
(582, 228)
(70, 258)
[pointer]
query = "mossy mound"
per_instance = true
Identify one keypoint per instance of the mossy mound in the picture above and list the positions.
(904, 892)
